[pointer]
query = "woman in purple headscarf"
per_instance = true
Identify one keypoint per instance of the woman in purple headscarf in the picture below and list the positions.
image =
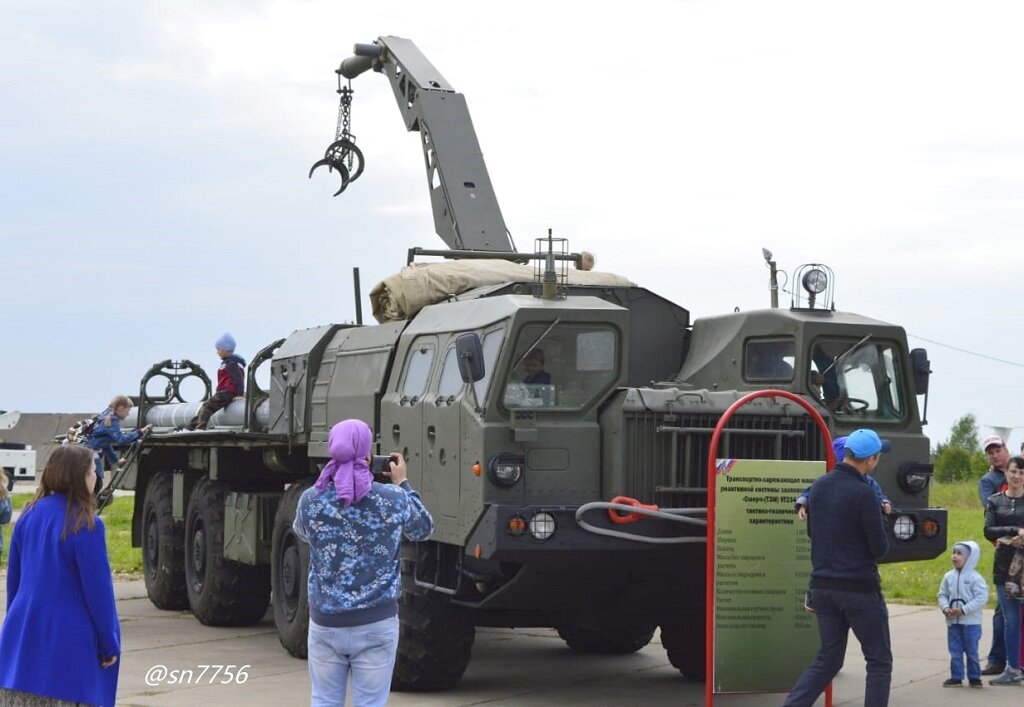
(354, 527)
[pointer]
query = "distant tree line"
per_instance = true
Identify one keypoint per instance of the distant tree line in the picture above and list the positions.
(960, 457)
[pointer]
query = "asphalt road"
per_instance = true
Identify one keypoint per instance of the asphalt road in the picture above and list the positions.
(509, 667)
(522, 667)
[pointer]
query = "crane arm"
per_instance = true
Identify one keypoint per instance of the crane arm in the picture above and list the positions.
(466, 211)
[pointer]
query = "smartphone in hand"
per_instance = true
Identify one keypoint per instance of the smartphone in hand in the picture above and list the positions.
(380, 463)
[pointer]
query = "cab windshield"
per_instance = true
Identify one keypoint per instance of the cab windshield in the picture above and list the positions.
(561, 366)
(858, 378)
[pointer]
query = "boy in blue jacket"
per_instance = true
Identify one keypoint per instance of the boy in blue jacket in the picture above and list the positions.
(107, 432)
(963, 594)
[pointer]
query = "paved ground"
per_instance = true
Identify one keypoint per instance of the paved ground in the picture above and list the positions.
(521, 667)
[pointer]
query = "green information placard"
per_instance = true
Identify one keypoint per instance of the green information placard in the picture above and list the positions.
(763, 635)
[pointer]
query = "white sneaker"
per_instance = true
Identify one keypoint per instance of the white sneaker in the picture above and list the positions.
(1010, 676)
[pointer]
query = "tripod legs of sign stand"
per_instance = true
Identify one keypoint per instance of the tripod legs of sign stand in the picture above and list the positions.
(710, 568)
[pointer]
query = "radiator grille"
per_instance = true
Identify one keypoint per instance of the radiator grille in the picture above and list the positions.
(667, 454)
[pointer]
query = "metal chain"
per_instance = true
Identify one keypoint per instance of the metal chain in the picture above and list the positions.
(345, 119)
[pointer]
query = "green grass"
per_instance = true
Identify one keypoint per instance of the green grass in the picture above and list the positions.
(117, 517)
(918, 582)
(903, 582)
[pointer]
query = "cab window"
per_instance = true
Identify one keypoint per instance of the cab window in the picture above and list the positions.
(417, 370)
(769, 360)
(451, 379)
(858, 379)
(561, 366)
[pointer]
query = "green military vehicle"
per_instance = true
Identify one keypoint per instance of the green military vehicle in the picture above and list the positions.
(525, 402)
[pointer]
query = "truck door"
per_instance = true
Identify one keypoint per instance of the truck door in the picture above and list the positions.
(442, 431)
(402, 412)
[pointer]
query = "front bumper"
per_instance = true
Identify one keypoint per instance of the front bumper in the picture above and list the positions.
(921, 545)
(579, 571)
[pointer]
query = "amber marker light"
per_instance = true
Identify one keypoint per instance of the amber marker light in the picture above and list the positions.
(516, 526)
(476, 469)
(929, 527)
(476, 552)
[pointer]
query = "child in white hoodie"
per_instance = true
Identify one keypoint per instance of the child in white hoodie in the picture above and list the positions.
(962, 596)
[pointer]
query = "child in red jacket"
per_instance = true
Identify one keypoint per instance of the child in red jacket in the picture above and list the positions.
(230, 382)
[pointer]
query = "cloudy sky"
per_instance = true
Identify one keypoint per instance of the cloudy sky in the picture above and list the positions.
(154, 159)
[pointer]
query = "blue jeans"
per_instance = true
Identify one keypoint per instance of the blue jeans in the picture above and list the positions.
(963, 641)
(1011, 626)
(838, 612)
(997, 656)
(367, 652)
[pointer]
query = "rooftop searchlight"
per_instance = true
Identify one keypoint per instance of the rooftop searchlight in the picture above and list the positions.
(815, 278)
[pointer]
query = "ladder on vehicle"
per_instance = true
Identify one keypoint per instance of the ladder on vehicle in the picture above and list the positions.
(106, 495)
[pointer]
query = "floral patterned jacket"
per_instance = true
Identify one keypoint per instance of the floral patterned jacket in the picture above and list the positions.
(354, 574)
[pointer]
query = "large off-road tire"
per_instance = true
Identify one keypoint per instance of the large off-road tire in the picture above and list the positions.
(289, 568)
(163, 546)
(684, 644)
(220, 592)
(606, 640)
(435, 636)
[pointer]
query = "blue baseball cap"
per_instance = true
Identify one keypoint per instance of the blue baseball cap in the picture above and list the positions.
(864, 443)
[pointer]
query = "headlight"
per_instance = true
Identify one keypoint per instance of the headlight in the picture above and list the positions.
(506, 470)
(903, 527)
(542, 526)
(913, 477)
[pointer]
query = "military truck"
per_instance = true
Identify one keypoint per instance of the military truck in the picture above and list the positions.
(529, 463)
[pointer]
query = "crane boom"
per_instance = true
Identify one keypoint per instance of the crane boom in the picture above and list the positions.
(466, 211)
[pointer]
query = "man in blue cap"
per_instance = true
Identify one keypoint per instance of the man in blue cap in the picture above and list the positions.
(839, 451)
(848, 537)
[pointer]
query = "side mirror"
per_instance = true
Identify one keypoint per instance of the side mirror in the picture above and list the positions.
(921, 369)
(470, 353)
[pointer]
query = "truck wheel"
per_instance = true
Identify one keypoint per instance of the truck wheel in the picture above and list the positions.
(163, 547)
(220, 592)
(289, 567)
(435, 636)
(606, 640)
(684, 644)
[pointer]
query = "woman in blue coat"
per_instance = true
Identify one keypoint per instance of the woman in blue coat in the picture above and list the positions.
(61, 638)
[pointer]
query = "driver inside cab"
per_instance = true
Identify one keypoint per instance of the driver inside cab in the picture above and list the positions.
(533, 368)
(824, 378)
(531, 385)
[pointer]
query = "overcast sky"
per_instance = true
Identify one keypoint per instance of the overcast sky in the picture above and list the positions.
(154, 159)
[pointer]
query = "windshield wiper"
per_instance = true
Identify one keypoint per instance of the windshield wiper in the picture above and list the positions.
(539, 339)
(846, 353)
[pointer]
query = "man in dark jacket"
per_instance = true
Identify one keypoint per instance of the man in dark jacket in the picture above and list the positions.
(993, 481)
(848, 537)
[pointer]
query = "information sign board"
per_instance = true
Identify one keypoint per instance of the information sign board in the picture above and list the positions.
(763, 635)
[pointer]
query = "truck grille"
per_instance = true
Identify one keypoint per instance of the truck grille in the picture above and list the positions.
(667, 454)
